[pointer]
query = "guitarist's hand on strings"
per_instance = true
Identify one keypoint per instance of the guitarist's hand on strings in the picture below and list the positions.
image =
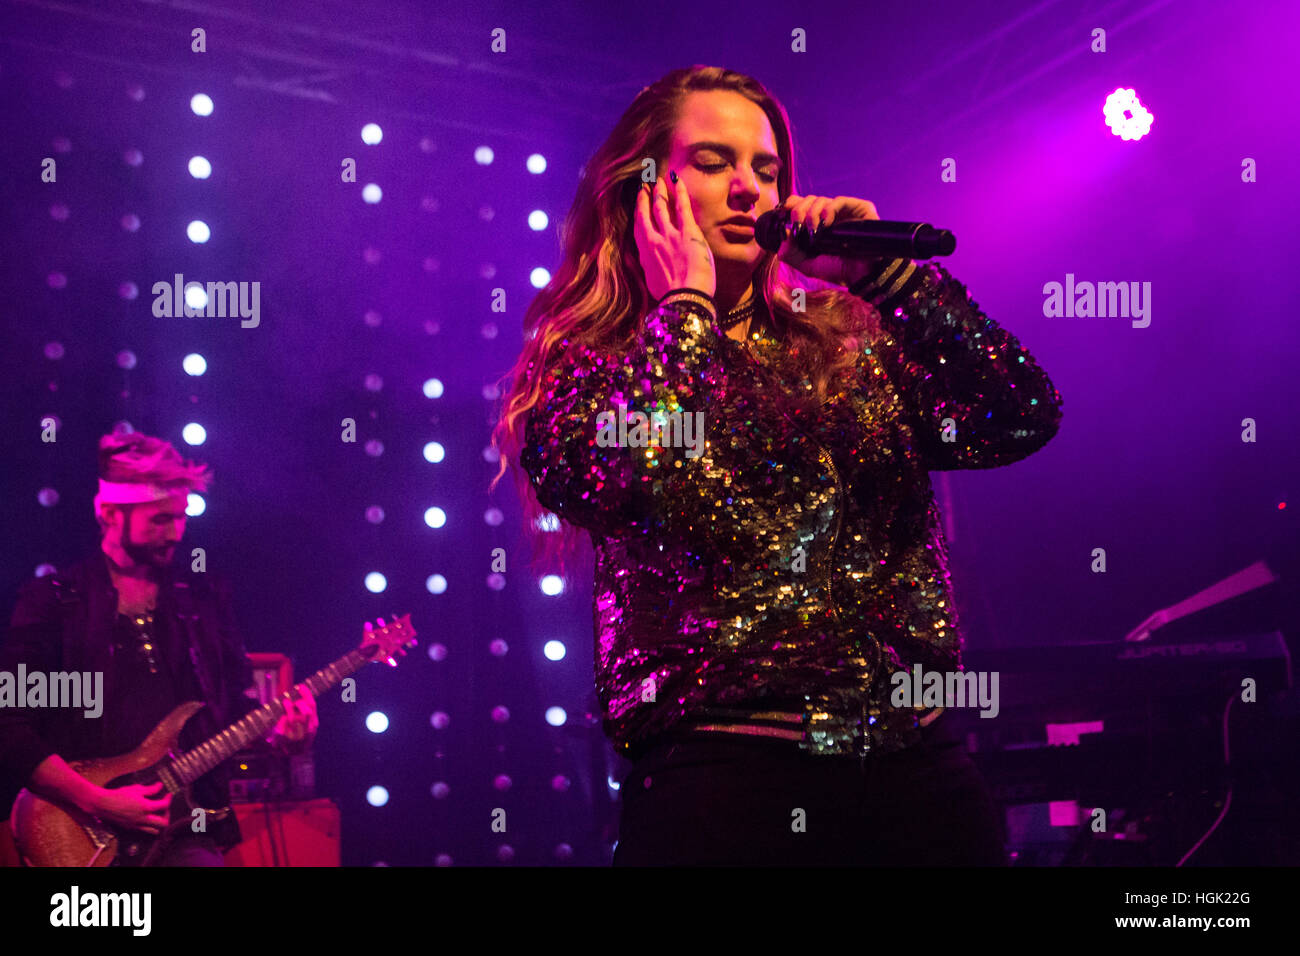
(294, 732)
(134, 807)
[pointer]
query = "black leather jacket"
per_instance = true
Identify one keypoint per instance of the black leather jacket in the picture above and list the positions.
(65, 621)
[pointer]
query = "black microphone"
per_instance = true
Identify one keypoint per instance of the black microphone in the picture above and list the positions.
(857, 238)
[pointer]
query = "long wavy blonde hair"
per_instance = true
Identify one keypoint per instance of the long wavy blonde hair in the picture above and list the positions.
(598, 295)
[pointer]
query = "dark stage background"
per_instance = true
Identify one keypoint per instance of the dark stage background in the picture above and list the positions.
(370, 308)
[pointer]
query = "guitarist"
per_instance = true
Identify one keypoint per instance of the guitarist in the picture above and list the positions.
(160, 637)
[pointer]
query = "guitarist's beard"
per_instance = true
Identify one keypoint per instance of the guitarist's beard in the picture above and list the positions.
(146, 555)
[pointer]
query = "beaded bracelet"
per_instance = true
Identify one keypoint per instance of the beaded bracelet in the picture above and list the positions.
(695, 294)
(687, 289)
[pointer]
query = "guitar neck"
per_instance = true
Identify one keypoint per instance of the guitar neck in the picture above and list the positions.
(254, 725)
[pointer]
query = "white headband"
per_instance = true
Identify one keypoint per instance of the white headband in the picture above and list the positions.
(130, 493)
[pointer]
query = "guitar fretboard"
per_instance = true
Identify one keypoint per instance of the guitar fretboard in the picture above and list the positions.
(256, 723)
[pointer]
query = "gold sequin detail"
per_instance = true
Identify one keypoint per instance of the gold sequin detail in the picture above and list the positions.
(800, 557)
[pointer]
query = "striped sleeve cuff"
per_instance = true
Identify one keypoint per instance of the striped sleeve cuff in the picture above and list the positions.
(889, 283)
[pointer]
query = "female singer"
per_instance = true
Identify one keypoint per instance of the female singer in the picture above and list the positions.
(749, 448)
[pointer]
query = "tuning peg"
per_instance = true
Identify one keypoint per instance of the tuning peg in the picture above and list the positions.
(381, 623)
(369, 626)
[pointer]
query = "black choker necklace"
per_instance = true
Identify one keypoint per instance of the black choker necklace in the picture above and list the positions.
(736, 316)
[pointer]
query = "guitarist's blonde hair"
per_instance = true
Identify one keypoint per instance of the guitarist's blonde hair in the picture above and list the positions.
(137, 458)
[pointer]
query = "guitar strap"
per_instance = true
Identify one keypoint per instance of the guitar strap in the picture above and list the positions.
(85, 622)
(191, 623)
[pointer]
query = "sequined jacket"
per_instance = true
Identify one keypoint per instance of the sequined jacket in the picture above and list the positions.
(797, 559)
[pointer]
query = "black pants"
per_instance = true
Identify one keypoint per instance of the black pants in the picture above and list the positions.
(728, 800)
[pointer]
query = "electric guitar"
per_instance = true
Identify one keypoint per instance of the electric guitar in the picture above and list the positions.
(50, 832)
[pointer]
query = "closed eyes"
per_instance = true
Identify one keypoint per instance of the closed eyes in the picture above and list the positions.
(715, 167)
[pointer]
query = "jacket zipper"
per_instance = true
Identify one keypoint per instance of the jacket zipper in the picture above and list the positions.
(839, 521)
(825, 453)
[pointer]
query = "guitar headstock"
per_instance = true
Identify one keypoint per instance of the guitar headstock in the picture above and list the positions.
(389, 640)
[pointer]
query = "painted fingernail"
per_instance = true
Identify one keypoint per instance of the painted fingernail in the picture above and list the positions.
(673, 176)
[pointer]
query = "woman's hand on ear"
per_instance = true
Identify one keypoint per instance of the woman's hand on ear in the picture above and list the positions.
(674, 253)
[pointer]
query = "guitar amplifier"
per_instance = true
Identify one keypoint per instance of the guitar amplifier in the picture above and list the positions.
(262, 775)
(272, 676)
(295, 833)
(258, 773)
